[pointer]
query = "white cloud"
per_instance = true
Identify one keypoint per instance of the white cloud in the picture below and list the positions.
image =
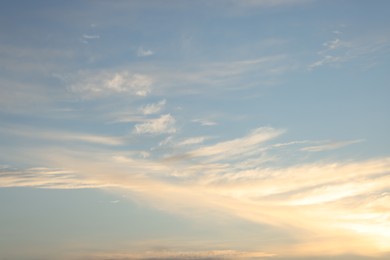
(204, 122)
(90, 37)
(123, 82)
(60, 136)
(338, 51)
(87, 37)
(325, 60)
(153, 108)
(49, 178)
(319, 205)
(270, 3)
(331, 45)
(329, 146)
(185, 255)
(141, 52)
(229, 75)
(162, 125)
(105, 83)
(193, 140)
(331, 54)
(166, 141)
(144, 154)
(240, 147)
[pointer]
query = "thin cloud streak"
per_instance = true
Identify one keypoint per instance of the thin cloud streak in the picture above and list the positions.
(104, 83)
(304, 200)
(171, 254)
(62, 136)
(330, 146)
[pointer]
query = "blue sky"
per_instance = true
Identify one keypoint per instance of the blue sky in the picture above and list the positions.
(235, 129)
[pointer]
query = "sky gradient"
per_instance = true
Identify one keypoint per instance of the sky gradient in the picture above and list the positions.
(226, 129)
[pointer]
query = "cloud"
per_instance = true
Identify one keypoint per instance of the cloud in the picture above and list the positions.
(153, 108)
(271, 3)
(328, 59)
(165, 124)
(193, 140)
(338, 51)
(87, 37)
(175, 254)
(141, 52)
(204, 122)
(331, 45)
(90, 37)
(329, 146)
(228, 75)
(49, 178)
(92, 85)
(320, 205)
(240, 147)
(61, 136)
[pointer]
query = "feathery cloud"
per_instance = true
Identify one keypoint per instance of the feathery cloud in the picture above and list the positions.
(339, 200)
(329, 146)
(204, 122)
(270, 3)
(49, 178)
(184, 255)
(105, 83)
(90, 36)
(193, 140)
(153, 108)
(165, 124)
(240, 147)
(141, 52)
(61, 136)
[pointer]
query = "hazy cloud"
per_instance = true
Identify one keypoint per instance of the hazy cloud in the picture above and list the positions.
(153, 108)
(240, 147)
(62, 136)
(141, 52)
(270, 3)
(90, 36)
(329, 146)
(105, 83)
(175, 254)
(48, 178)
(204, 122)
(162, 125)
(342, 201)
(193, 140)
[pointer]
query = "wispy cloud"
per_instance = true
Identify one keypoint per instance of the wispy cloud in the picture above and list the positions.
(240, 147)
(192, 140)
(338, 200)
(91, 36)
(163, 125)
(338, 50)
(48, 178)
(153, 108)
(330, 146)
(211, 76)
(204, 122)
(270, 3)
(60, 136)
(141, 52)
(99, 84)
(331, 54)
(176, 254)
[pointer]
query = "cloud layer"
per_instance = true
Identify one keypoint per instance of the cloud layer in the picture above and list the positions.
(339, 200)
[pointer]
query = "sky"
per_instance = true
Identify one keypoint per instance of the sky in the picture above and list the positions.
(177, 129)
